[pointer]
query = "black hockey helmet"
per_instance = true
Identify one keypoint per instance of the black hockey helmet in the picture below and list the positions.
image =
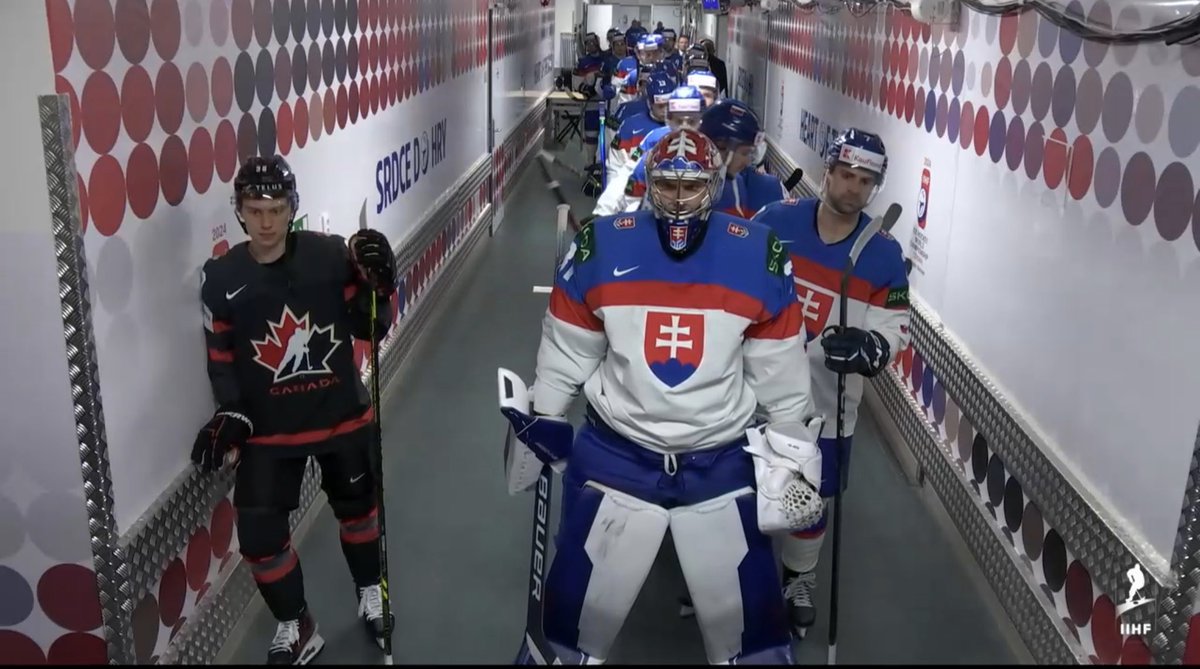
(268, 179)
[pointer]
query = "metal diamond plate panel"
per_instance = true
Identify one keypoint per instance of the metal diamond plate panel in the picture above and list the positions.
(1102, 547)
(111, 576)
(201, 639)
(1035, 619)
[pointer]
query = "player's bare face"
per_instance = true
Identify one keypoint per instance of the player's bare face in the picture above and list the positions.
(266, 222)
(710, 96)
(738, 156)
(683, 43)
(658, 110)
(848, 189)
(683, 120)
(618, 48)
(680, 197)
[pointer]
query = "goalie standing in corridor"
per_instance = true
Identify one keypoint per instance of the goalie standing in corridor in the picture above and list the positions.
(676, 323)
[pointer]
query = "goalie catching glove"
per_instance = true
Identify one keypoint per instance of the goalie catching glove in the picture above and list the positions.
(787, 468)
(539, 439)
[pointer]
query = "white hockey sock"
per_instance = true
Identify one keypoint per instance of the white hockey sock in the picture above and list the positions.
(800, 554)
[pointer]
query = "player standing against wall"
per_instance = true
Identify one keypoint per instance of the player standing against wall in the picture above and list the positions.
(819, 233)
(281, 312)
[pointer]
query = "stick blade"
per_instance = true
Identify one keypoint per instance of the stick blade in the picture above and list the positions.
(891, 216)
(793, 180)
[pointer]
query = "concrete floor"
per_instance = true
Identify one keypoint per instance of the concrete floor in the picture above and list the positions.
(459, 544)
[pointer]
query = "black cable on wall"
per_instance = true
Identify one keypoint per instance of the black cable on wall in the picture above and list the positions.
(1183, 30)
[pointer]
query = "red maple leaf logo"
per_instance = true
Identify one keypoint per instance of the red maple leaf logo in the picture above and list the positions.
(287, 350)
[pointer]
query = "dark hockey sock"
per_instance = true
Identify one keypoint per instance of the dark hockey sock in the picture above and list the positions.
(360, 545)
(281, 583)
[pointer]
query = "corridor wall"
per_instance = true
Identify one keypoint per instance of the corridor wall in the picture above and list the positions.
(1049, 186)
(382, 109)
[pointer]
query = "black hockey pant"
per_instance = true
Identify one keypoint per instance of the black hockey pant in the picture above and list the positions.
(268, 490)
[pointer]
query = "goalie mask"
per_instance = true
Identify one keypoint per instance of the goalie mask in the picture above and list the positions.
(685, 176)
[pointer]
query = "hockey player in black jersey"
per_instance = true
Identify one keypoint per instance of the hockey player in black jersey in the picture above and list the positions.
(281, 312)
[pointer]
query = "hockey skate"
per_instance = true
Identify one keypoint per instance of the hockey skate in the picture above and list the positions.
(798, 591)
(370, 609)
(296, 641)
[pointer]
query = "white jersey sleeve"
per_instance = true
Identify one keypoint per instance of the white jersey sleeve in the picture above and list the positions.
(614, 200)
(573, 339)
(773, 355)
(888, 311)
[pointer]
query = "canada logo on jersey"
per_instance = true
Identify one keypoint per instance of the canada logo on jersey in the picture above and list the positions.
(674, 345)
(296, 347)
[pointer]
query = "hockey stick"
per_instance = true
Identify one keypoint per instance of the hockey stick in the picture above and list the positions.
(793, 180)
(544, 160)
(885, 222)
(383, 554)
(535, 637)
(565, 165)
(602, 146)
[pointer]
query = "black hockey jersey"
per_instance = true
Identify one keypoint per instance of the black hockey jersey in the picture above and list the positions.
(280, 342)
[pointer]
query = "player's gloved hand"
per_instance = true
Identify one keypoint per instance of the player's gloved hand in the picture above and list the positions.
(854, 351)
(218, 442)
(608, 92)
(593, 181)
(548, 437)
(372, 256)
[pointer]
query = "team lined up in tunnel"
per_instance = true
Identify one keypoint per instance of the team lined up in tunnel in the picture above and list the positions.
(703, 314)
(695, 311)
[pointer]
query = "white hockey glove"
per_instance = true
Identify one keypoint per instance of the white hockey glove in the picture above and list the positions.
(538, 439)
(787, 467)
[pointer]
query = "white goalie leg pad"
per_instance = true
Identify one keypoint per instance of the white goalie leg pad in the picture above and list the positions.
(787, 469)
(710, 542)
(521, 467)
(622, 544)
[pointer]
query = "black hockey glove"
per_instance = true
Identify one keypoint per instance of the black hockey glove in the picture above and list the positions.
(854, 351)
(372, 256)
(225, 433)
(593, 183)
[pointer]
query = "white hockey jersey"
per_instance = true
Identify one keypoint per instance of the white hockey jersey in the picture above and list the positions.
(674, 355)
(878, 293)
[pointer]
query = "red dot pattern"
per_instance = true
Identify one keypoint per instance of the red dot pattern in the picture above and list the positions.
(879, 64)
(136, 83)
(158, 125)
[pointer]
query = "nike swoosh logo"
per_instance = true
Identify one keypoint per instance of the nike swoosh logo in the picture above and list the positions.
(356, 478)
(622, 272)
(230, 296)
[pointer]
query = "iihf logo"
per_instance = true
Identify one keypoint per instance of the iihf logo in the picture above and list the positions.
(1135, 599)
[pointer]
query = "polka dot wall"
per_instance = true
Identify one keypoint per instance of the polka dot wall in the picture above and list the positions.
(1052, 110)
(167, 97)
(1050, 100)
(291, 73)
